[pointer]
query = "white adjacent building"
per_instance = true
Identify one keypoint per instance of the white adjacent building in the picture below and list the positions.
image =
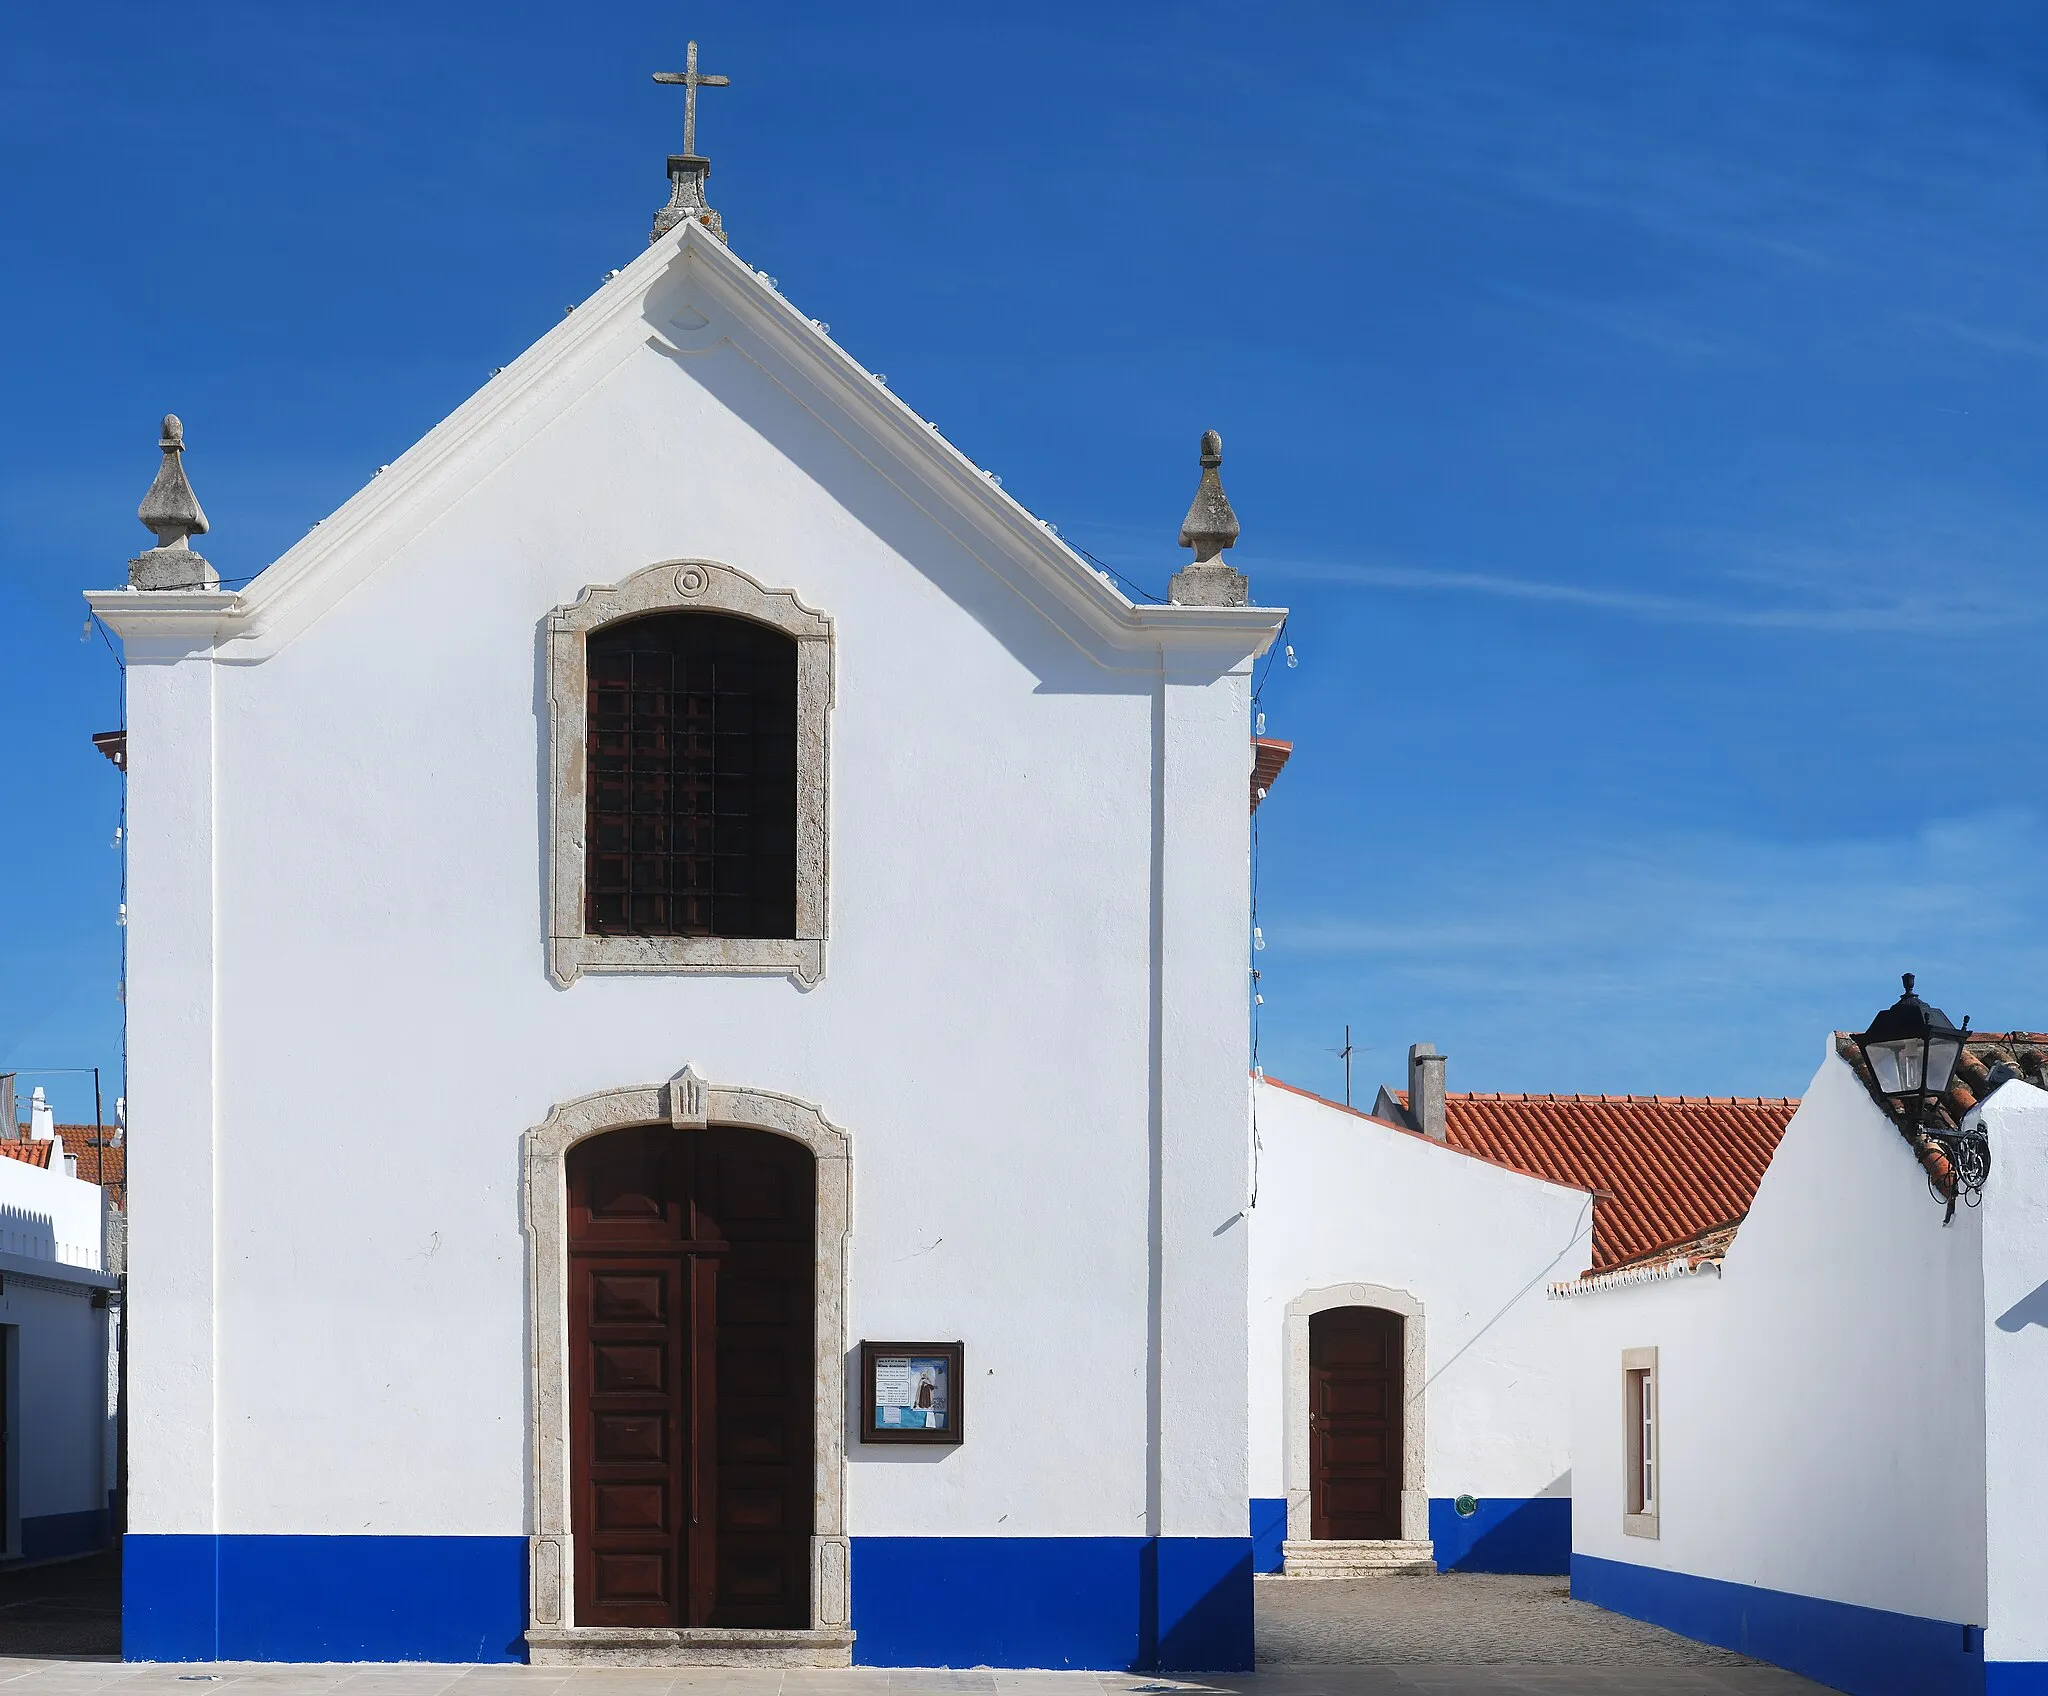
(1409, 1394)
(59, 1340)
(1814, 1433)
(679, 878)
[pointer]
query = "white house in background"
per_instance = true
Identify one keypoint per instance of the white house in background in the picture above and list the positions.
(1409, 1396)
(790, 902)
(1435, 1224)
(1815, 1434)
(59, 1336)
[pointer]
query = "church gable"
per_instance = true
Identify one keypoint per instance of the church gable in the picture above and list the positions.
(689, 303)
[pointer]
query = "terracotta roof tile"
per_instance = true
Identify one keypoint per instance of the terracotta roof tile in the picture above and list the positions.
(1269, 754)
(28, 1153)
(1672, 1166)
(106, 1166)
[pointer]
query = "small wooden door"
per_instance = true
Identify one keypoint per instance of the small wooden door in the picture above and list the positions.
(1354, 1423)
(691, 1364)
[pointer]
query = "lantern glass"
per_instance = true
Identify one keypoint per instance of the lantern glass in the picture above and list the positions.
(1898, 1065)
(1943, 1051)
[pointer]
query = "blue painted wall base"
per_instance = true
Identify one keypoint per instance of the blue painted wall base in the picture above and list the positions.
(1122, 1604)
(2016, 1678)
(1864, 1651)
(323, 1598)
(53, 1536)
(1171, 1604)
(1269, 1531)
(1504, 1534)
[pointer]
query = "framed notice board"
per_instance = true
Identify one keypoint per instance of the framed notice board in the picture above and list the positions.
(911, 1392)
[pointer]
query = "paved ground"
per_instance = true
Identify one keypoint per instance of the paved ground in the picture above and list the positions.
(1481, 1633)
(1452, 1635)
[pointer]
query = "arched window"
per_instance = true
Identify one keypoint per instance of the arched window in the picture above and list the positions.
(688, 787)
(691, 829)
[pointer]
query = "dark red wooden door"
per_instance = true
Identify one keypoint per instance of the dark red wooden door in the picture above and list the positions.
(691, 1314)
(1355, 1396)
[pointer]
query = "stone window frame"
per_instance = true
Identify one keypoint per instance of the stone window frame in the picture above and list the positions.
(1639, 1379)
(685, 1103)
(684, 585)
(1296, 1475)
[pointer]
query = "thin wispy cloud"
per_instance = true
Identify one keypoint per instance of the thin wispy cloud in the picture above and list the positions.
(1891, 613)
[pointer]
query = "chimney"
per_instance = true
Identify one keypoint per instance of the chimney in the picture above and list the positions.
(42, 1123)
(1426, 1090)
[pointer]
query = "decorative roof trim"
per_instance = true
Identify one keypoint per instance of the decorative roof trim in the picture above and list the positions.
(1661, 1273)
(388, 512)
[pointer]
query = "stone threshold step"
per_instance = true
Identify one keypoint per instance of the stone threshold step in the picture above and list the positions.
(1332, 1558)
(679, 1646)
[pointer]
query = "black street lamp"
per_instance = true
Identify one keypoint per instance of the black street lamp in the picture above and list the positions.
(1912, 1050)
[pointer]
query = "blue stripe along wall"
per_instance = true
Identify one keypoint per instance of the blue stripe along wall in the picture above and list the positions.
(1504, 1534)
(1864, 1651)
(1177, 1604)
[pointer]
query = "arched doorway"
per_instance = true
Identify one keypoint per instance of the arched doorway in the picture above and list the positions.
(691, 1373)
(1356, 1405)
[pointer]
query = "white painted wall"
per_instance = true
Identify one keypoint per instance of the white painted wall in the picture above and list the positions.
(47, 1215)
(59, 1412)
(2015, 1224)
(1008, 974)
(1348, 1199)
(1822, 1399)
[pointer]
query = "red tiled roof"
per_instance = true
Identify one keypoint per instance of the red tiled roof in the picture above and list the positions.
(1671, 1166)
(1269, 754)
(106, 1166)
(28, 1153)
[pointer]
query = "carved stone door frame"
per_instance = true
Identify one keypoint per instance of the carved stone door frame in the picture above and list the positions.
(686, 1103)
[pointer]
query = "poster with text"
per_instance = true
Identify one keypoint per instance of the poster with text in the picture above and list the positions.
(912, 1392)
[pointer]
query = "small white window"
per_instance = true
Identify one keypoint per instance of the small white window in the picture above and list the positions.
(1644, 1457)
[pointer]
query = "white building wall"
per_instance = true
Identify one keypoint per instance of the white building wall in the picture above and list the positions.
(1821, 1400)
(2015, 1224)
(48, 1215)
(58, 1411)
(1348, 1199)
(987, 1030)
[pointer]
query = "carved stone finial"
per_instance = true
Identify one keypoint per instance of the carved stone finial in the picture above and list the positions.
(171, 512)
(1209, 528)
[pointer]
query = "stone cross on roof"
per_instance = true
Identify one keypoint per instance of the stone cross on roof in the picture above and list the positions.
(691, 81)
(688, 169)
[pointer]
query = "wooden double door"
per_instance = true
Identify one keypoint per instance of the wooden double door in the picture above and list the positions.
(1354, 1423)
(692, 1315)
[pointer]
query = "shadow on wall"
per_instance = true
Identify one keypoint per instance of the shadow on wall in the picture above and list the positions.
(32, 1234)
(2030, 1309)
(1505, 1533)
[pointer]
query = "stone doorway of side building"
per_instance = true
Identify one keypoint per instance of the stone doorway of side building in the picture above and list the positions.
(1477, 1634)
(1356, 1506)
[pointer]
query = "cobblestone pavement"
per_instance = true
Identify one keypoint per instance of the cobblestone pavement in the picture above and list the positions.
(1480, 1632)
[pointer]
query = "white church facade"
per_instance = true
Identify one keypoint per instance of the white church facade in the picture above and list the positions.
(680, 876)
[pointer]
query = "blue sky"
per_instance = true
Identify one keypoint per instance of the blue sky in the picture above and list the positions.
(1644, 412)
